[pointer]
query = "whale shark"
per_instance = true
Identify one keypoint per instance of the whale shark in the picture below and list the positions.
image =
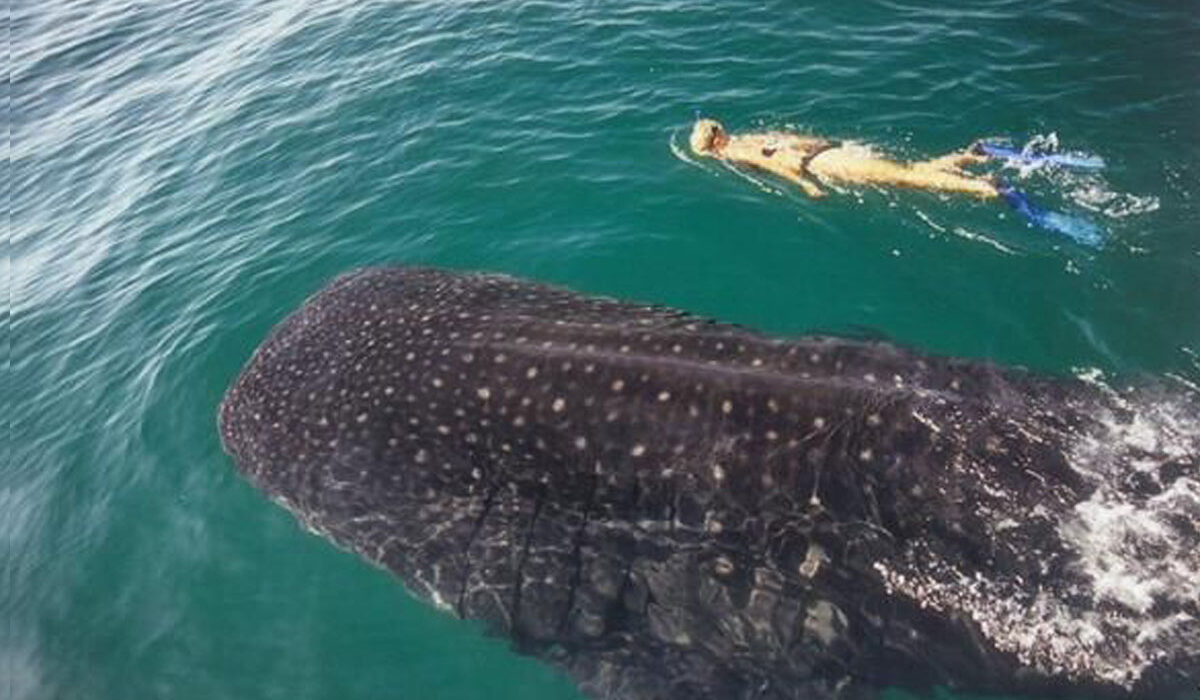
(667, 507)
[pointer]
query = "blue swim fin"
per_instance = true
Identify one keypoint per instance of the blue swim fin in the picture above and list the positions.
(1076, 228)
(1088, 162)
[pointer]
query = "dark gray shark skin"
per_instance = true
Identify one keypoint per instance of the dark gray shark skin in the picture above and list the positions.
(672, 508)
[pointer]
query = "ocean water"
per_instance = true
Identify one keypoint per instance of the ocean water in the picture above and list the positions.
(180, 175)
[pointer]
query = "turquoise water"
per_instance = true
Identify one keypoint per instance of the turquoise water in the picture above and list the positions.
(181, 175)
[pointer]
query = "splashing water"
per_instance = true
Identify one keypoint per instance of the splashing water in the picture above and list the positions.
(1085, 187)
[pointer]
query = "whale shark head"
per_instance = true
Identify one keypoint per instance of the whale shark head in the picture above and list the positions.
(668, 507)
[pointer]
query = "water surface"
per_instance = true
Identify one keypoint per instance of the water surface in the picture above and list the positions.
(181, 175)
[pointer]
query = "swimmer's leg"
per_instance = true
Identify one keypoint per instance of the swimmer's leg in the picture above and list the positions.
(922, 176)
(847, 168)
(955, 161)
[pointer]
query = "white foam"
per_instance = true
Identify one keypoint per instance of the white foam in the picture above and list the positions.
(1087, 188)
(1097, 196)
(1108, 536)
(1129, 546)
(681, 152)
(1129, 598)
(980, 238)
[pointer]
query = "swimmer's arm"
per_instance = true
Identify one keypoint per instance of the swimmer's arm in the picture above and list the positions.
(769, 165)
(810, 188)
(789, 173)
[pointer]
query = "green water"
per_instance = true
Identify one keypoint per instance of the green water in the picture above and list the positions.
(181, 175)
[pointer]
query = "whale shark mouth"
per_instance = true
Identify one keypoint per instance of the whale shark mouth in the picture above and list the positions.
(669, 507)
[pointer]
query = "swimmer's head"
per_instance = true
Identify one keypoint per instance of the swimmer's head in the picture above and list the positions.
(707, 136)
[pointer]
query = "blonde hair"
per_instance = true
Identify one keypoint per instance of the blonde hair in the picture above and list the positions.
(704, 133)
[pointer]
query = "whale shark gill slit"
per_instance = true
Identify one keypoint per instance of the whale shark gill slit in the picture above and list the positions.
(669, 507)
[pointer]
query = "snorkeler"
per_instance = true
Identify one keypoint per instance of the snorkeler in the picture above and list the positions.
(807, 161)
(810, 161)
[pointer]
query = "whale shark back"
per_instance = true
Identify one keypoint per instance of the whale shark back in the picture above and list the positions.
(668, 507)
